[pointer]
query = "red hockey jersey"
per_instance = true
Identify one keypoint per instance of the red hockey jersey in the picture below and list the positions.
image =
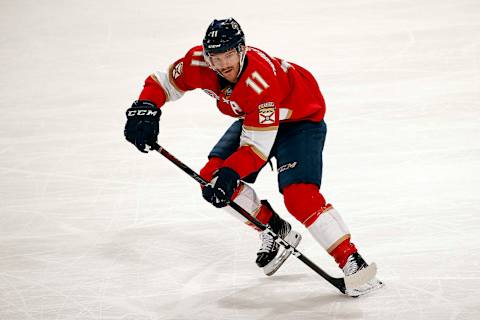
(268, 91)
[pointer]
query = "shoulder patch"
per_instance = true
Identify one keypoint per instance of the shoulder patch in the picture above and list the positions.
(266, 113)
(177, 70)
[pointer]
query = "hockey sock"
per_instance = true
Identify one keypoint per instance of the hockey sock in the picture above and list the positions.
(305, 202)
(342, 252)
(247, 198)
(244, 195)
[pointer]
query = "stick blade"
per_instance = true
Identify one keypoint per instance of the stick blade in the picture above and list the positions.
(361, 277)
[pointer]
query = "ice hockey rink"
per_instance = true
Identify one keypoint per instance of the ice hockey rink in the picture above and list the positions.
(90, 228)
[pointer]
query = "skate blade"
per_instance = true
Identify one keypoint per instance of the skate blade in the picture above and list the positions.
(293, 239)
(360, 277)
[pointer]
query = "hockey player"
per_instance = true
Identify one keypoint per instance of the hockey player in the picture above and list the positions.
(280, 112)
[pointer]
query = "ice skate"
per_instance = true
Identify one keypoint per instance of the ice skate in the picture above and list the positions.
(271, 255)
(354, 264)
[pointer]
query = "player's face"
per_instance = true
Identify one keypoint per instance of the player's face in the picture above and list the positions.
(227, 63)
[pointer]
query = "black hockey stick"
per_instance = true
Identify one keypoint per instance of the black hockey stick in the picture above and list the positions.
(342, 284)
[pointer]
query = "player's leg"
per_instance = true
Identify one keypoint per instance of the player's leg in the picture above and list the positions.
(299, 160)
(246, 197)
(269, 256)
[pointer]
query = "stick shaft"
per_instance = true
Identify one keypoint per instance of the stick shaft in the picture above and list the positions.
(339, 283)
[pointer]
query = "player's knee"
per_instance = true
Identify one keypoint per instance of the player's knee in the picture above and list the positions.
(211, 167)
(302, 200)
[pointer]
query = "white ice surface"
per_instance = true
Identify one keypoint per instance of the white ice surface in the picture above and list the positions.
(92, 229)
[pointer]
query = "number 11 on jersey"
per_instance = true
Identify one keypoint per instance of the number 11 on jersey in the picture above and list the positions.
(256, 85)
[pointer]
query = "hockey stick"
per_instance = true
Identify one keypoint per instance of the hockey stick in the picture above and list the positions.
(343, 284)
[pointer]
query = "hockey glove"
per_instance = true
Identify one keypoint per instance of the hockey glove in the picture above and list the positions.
(142, 124)
(220, 190)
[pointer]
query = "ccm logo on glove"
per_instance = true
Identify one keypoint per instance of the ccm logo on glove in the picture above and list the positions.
(142, 125)
(132, 113)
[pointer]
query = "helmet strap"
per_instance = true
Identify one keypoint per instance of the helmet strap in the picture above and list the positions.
(242, 50)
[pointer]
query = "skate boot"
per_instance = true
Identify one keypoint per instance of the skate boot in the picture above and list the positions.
(271, 255)
(355, 263)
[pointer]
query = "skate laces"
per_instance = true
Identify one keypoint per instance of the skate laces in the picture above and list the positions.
(351, 266)
(268, 243)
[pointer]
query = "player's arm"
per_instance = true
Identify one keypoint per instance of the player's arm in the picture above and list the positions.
(183, 75)
(261, 94)
(258, 135)
(259, 130)
(256, 141)
(161, 87)
(143, 116)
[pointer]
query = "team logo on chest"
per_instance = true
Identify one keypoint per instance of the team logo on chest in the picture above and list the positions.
(266, 113)
(227, 92)
(233, 105)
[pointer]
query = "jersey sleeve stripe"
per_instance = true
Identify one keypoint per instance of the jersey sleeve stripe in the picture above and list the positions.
(285, 113)
(256, 151)
(269, 128)
(199, 63)
(154, 77)
(260, 141)
(173, 92)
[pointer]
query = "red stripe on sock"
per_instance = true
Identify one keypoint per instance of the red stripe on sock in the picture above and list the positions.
(343, 251)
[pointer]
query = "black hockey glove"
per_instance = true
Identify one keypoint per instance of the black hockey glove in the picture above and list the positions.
(142, 124)
(220, 190)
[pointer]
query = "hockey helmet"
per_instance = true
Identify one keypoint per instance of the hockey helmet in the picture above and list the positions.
(223, 35)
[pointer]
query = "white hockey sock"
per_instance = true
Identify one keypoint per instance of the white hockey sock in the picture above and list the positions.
(329, 229)
(246, 198)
